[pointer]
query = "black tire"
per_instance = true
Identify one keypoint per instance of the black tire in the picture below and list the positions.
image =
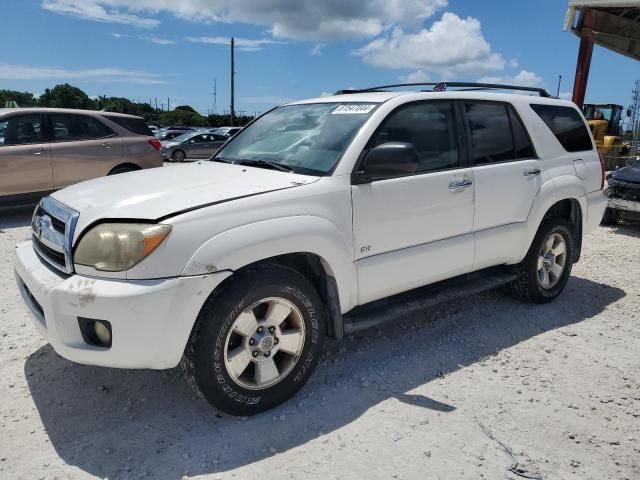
(203, 361)
(178, 156)
(610, 218)
(123, 169)
(528, 286)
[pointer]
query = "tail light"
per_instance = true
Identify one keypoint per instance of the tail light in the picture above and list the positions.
(602, 170)
(155, 143)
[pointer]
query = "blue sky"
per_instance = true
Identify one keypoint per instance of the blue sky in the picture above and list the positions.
(290, 49)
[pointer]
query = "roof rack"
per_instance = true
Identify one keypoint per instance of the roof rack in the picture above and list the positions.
(443, 86)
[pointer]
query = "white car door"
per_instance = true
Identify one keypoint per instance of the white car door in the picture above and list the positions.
(415, 229)
(507, 175)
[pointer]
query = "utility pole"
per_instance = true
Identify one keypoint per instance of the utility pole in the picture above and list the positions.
(559, 83)
(168, 105)
(233, 81)
(215, 95)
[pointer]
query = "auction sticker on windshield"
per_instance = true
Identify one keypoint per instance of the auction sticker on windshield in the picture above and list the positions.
(353, 109)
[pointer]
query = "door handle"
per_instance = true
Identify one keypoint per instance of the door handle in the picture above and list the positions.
(459, 185)
(106, 145)
(39, 151)
(531, 172)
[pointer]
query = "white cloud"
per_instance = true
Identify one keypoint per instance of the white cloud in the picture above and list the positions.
(451, 47)
(119, 35)
(292, 19)
(415, 77)
(317, 49)
(159, 40)
(105, 74)
(96, 11)
(566, 95)
(525, 79)
(245, 44)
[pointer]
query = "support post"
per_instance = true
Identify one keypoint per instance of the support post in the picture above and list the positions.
(584, 59)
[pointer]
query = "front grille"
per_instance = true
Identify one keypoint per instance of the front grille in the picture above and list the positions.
(50, 253)
(53, 226)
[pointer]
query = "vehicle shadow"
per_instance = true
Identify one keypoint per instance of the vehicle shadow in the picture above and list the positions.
(129, 423)
(14, 217)
(630, 229)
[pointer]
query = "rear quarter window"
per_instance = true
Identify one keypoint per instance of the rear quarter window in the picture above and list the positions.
(567, 125)
(133, 124)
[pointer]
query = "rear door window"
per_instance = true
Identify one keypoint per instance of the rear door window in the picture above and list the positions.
(497, 133)
(70, 127)
(21, 130)
(567, 125)
(133, 124)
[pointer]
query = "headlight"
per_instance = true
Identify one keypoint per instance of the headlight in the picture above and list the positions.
(115, 247)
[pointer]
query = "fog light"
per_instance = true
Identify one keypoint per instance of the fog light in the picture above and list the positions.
(96, 332)
(102, 332)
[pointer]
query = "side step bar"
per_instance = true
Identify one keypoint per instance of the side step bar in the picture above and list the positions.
(407, 303)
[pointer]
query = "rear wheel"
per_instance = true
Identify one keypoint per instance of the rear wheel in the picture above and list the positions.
(123, 169)
(256, 342)
(178, 156)
(544, 272)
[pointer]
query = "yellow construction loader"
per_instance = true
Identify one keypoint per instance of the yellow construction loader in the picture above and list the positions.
(604, 120)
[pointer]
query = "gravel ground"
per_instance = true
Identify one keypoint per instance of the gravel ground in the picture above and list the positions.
(484, 388)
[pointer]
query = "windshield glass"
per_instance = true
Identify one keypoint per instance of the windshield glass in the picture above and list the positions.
(307, 138)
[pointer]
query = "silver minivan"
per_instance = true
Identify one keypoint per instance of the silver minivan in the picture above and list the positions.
(45, 149)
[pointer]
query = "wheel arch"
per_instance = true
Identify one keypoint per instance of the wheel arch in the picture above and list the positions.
(126, 165)
(310, 245)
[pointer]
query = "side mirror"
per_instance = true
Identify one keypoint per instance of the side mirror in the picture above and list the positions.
(389, 160)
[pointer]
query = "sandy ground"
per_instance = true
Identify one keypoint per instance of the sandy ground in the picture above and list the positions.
(484, 388)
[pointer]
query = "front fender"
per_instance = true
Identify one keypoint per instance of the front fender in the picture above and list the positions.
(241, 246)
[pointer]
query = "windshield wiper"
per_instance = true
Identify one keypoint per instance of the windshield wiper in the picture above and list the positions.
(264, 164)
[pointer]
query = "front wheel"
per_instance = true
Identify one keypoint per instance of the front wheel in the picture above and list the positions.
(256, 342)
(544, 272)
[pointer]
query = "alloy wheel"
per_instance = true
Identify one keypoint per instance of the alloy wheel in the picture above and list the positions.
(264, 343)
(552, 261)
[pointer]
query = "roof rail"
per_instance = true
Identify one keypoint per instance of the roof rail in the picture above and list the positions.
(443, 87)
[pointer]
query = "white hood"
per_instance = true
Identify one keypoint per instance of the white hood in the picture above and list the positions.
(159, 192)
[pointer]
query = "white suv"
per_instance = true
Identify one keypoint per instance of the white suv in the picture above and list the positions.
(321, 218)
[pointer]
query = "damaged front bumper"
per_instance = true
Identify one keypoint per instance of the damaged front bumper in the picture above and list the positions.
(151, 320)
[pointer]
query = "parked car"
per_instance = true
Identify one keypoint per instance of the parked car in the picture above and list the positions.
(226, 131)
(377, 204)
(192, 146)
(167, 135)
(45, 149)
(623, 191)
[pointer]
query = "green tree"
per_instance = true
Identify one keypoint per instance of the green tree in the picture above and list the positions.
(66, 96)
(23, 99)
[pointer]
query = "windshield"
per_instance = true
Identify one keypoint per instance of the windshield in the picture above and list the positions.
(307, 138)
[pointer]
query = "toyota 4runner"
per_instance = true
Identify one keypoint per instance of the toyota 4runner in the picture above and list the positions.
(319, 219)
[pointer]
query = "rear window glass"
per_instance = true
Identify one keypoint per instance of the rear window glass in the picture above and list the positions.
(133, 124)
(567, 125)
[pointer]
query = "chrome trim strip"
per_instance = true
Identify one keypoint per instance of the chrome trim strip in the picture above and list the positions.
(52, 238)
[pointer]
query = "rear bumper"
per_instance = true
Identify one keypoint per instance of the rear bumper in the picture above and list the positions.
(596, 206)
(151, 319)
